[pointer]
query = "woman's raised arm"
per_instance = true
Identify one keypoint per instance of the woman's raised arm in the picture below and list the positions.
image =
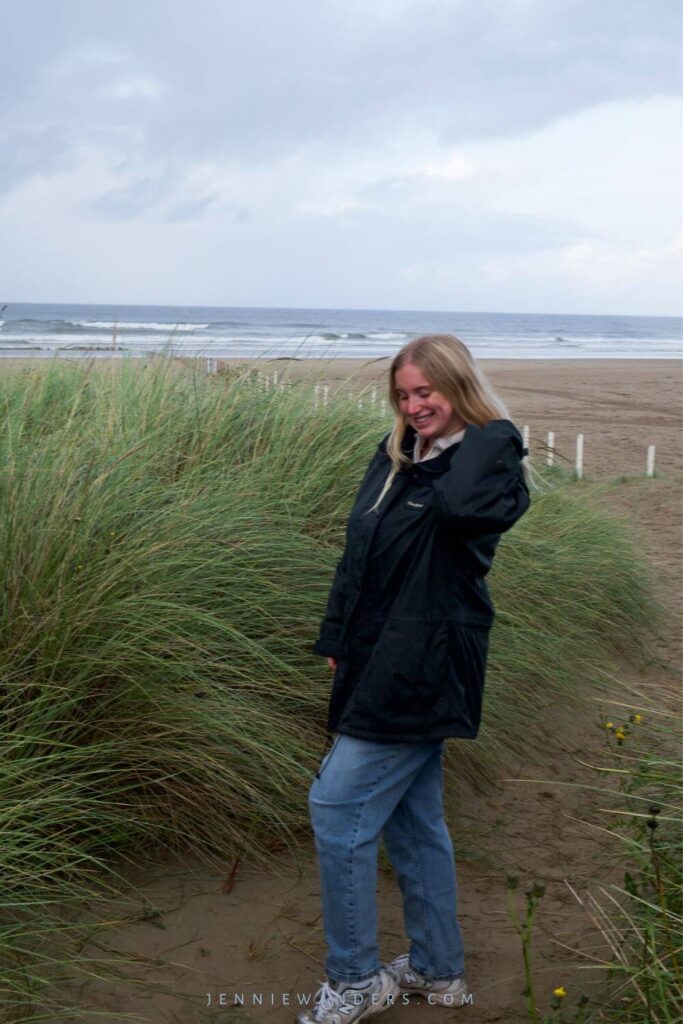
(484, 490)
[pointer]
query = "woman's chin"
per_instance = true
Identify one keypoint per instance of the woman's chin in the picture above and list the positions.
(428, 430)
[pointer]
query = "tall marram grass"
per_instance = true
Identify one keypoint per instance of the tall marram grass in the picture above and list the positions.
(641, 921)
(167, 542)
(637, 946)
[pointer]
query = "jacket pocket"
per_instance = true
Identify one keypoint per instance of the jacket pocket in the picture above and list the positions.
(403, 682)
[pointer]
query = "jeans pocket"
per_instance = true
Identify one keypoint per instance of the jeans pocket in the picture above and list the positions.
(326, 758)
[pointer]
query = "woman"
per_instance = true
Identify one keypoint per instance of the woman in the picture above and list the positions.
(406, 631)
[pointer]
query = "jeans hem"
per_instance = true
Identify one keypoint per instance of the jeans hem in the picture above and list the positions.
(332, 976)
(428, 976)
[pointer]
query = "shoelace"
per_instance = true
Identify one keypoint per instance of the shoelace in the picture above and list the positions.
(327, 999)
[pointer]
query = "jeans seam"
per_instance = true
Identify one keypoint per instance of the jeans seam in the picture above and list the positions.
(420, 866)
(352, 847)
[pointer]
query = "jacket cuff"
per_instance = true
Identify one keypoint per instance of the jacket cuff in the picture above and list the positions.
(326, 648)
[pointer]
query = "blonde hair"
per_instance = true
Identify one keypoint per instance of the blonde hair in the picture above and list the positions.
(449, 367)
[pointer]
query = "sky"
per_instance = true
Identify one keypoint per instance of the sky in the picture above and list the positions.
(500, 155)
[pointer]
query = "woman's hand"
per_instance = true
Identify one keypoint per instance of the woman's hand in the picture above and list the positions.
(332, 662)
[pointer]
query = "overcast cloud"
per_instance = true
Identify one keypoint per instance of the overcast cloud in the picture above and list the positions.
(442, 154)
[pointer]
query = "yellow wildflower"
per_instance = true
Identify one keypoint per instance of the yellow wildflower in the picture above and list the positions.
(620, 735)
(637, 718)
(559, 992)
(609, 725)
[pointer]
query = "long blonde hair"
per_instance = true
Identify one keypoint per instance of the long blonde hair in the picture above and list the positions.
(449, 367)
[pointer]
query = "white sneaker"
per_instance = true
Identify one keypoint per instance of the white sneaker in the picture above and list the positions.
(448, 992)
(339, 1002)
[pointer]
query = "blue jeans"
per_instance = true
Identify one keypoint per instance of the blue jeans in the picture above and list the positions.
(364, 789)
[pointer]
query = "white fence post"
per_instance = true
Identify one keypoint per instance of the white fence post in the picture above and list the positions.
(383, 406)
(651, 460)
(326, 394)
(210, 365)
(550, 457)
(373, 395)
(579, 456)
(525, 441)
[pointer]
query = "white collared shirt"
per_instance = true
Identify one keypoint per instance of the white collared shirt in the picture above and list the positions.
(439, 444)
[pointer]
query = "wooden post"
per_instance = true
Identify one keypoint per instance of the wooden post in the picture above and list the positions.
(651, 460)
(579, 456)
(550, 457)
(326, 394)
(210, 365)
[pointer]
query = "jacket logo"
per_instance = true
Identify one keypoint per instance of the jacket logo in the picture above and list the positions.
(415, 504)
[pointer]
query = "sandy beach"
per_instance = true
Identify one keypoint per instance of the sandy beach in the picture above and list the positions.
(262, 941)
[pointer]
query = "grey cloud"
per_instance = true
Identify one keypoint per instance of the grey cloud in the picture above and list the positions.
(469, 230)
(453, 215)
(126, 203)
(25, 151)
(192, 209)
(256, 80)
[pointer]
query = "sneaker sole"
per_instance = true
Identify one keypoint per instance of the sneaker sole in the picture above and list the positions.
(378, 1007)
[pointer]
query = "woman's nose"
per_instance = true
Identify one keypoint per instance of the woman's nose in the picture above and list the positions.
(414, 404)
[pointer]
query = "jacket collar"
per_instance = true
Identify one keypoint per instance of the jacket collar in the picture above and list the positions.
(435, 465)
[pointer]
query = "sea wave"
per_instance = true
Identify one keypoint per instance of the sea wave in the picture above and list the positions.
(342, 336)
(131, 325)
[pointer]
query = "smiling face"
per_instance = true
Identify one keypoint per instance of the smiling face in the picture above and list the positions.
(425, 408)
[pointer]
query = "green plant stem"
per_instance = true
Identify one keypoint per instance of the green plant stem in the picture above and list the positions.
(664, 910)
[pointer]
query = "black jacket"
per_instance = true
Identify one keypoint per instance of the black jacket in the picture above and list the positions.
(409, 613)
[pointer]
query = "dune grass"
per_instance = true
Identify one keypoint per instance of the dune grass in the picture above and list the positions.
(637, 947)
(166, 549)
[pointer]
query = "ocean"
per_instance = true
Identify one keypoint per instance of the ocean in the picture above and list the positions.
(89, 330)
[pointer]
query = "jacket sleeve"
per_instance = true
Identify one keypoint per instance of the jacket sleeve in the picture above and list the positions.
(484, 490)
(327, 643)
